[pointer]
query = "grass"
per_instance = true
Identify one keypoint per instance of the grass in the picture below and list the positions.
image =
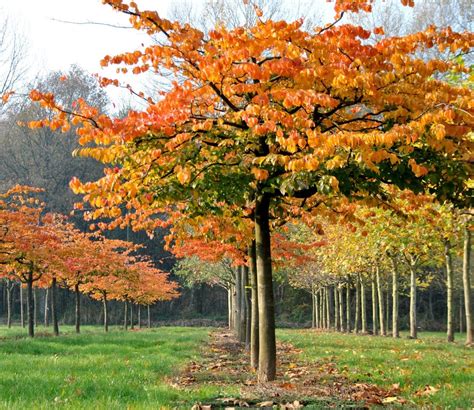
(414, 364)
(135, 370)
(100, 371)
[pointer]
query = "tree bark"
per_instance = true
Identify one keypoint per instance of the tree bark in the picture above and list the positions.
(395, 319)
(125, 316)
(247, 292)
(148, 316)
(341, 308)
(374, 306)
(22, 306)
(413, 329)
(267, 342)
(132, 324)
(313, 308)
(9, 285)
(54, 309)
(348, 307)
(328, 307)
(106, 313)
(78, 308)
(46, 316)
(466, 280)
(230, 316)
(323, 308)
(363, 306)
(449, 292)
(380, 298)
(35, 305)
(337, 325)
(30, 305)
(357, 308)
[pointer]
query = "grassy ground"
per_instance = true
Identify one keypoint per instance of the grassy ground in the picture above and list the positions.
(414, 364)
(99, 371)
(137, 370)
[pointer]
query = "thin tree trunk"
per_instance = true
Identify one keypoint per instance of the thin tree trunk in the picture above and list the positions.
(313, 307)
(238, 303)
(247, 290)
(254, 332)
(341, 308)
(363, 307)
(139, 317)
(230, 308)
(9, 286)
(348, 307)
(35, 305)
(30, 305)
(78, 308)
(413, 329)
(449, 292)
(328, 308)
(466, 280)
(267, 341)
(132, 323)
(337, 325)
(243, 306)
(395, 312)
(22, 306)
(148, 316)
(54, 311)
(380, 298)
(374, 306)
(357, 308)
(125, 316)
(46, 316)
(106, 313)
(317, 300)
(323, 308)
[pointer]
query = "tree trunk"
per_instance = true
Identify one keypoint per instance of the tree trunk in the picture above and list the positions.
(35, 305)
(148, 317)
(106, 313)
(247, 289)
(363, 307)
(317, 301)
(313, 307)
(132, 324)
(413, 329)
(337, 325)
(395, 319)
(242, 311)
(30, 305)
(139, 317)
(22, 306)
(380, 298)
(54, 309)
(125, 316)
(466, 280)
(9, 286)
(348, 307)
(78, 308)
(357, 308)
(341, 308)
(449, 292)
(267, 342)
(46, 316)
(323, 308)
(374, 306)
(230, 308)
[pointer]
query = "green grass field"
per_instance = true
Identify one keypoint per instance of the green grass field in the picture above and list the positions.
(135, 369)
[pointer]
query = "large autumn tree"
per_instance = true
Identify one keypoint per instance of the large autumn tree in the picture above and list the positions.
(273, 118)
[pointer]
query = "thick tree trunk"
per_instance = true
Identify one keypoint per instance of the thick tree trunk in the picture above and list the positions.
(267, 342)
(30, 305)
(348, 307)
(54, 308)
(380, 298)
(363, 306)
(395, 319)
(22, 308)
(357, 308)
(125, 316)
(337, 325)
(374, 306)
(254, 333)
(46, 309)
(106, 312)
(466, 280)
(341, 308)
(148, 317)
(413, 329)
(449, 292)
(78, 308)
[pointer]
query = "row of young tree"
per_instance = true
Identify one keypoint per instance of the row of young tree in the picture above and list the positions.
(44, 250)
(271, 122)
